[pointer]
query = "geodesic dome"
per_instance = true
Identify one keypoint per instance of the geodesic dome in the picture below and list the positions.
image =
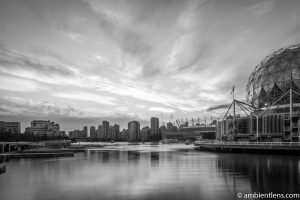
(273, 76)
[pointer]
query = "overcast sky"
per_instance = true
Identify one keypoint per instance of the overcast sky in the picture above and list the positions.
(78, 62)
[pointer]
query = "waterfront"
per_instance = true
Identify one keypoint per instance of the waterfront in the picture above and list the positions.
(149, 171)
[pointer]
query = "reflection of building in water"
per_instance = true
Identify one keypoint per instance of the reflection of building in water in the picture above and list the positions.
(105, 156)
(133, 155)
(265, 173)
(154, 159)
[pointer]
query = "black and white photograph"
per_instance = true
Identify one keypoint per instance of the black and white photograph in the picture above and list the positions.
(149, 99)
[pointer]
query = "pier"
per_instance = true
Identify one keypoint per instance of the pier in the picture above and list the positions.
(249, 147)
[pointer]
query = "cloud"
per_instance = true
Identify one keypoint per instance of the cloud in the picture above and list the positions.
(70, 118)
(260, 9)
(85, 96)
(141, 106)
(16, 62)
(133, 27)
(161, 109)
(11, 83)
(223, 106)
(138, 54)
(211, 96)
(70, 33)
(77, 37)
(122, 108)
(21, 106)
(36, 108)
(45, 71)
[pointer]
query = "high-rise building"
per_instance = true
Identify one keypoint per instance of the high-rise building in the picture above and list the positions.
(134, 130)
(43, 127)
(116, 132)
(110, 136)
(145, 133)
(10, 127)
(85, 131)
(154, 126)
(93, 132)
(99, 132)
(105, 130)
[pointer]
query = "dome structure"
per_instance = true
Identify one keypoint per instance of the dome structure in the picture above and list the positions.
(274, 76)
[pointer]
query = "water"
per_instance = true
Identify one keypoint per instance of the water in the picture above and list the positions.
(173, 171)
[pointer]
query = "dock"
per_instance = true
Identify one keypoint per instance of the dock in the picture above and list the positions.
(37, 155)
(292, 148)
(41, 153)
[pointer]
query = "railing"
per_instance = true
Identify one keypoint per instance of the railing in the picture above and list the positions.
(249, 143)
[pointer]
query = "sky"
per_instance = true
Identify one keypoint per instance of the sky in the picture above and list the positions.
(83, 61)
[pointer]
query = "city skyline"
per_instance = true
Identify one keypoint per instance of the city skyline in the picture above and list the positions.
(87, 61)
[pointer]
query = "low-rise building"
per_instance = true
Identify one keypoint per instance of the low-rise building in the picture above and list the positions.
(43, 127)
(10, 127)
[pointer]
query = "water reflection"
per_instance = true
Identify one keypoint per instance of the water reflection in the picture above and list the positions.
(149, 172)
(265, 173)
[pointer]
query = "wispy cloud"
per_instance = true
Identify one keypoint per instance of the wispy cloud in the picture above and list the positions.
(161, 109)
(11, 83)
(21, 106)
(84, 96)
(77, 37)
(122, 109)
(260, 9)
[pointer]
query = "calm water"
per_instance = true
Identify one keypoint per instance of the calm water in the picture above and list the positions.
(149, 172)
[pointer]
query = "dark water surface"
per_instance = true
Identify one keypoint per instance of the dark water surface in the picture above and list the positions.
(174, 171)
